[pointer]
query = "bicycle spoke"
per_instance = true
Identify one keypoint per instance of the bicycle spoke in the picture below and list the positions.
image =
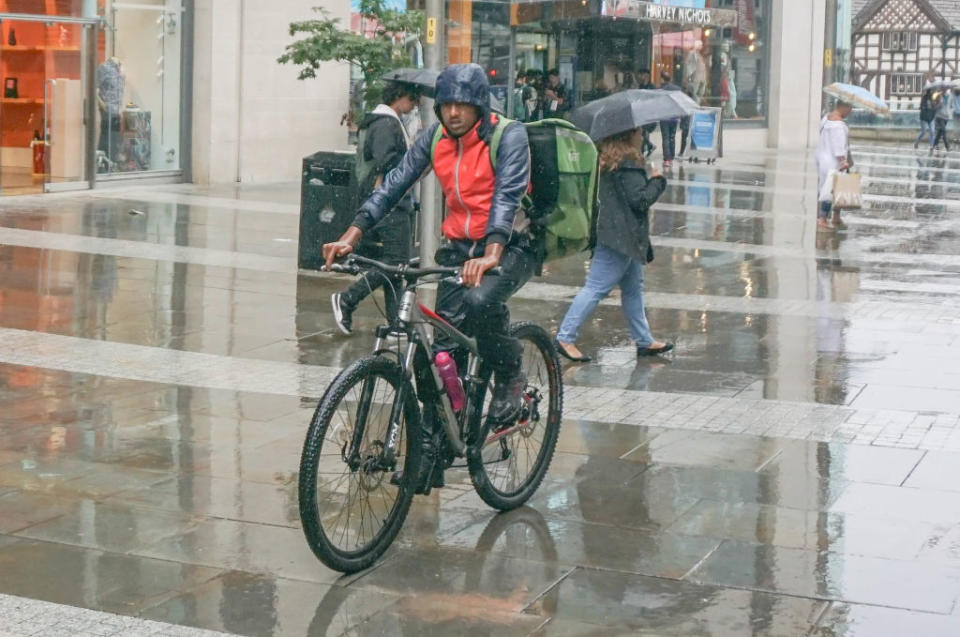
(353, 491)
(525, 445)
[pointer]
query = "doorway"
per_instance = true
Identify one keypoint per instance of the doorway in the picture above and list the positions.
(46, 115)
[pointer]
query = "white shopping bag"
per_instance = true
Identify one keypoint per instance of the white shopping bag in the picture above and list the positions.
(826, 190)
(847, 194)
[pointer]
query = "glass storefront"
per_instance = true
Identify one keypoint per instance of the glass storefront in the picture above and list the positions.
(714, 49)
(92, 88)
(138, 87)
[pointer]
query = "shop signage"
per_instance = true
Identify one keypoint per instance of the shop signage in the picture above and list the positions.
(672, 14)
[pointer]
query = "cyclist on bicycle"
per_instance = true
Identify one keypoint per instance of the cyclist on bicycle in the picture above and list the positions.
(484, 227)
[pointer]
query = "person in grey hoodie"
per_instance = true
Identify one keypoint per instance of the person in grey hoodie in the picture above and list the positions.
(382, 143)
(956, 115)
(941, 119)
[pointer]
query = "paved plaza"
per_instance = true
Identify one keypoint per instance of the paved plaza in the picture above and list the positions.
(792, 468)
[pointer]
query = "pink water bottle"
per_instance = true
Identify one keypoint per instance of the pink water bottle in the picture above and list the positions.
(451, 380)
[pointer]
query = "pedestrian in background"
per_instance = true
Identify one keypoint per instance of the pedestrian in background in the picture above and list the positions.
(927, 113)
(833, 154)
(956, 115)
(555, 102)
(668, 127)
(645, 84)
(944, 114)
(622, 244)
(382, 144)
(685, 127)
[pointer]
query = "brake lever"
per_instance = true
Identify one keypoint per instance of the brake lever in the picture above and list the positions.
(341, 268)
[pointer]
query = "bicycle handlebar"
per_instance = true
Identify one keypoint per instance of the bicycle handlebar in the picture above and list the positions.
(405, 270)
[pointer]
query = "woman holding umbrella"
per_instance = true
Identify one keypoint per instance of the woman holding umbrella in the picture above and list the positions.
(833, 152)
(621, 235)
(622, 244)
(832, 156)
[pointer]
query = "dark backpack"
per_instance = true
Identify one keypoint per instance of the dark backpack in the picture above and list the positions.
(562, 200)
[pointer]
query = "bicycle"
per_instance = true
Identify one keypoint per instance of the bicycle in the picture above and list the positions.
(369, 425)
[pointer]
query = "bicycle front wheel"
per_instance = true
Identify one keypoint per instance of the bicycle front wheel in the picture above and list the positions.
(352, 499)
(512, 461)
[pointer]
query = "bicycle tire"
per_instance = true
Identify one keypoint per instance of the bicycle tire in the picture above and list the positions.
(311, 513)
(535, 337)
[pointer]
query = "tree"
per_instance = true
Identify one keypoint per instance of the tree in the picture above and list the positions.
(378, 50)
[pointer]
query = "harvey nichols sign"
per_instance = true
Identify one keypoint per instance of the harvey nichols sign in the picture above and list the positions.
(664, 13)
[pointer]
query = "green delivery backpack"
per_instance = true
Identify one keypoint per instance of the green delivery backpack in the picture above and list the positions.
(562, 200)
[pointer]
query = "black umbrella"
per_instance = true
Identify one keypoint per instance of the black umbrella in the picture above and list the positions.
(426, 79)
(630, 109)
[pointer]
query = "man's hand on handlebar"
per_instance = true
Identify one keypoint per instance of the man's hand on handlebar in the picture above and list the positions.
(342, 247)
(474, 269)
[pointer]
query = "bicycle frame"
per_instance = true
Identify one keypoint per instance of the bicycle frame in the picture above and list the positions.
(413, 319)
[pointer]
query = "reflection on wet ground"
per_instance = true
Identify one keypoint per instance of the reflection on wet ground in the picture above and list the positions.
(790, 470)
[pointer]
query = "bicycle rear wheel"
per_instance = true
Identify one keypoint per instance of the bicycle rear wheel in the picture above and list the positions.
(350, 508)
(512, 461)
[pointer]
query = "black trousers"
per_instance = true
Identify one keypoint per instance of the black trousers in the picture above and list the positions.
(941, 128)
(684, 134)
(390, 242)
(668, 130)
(482, 312)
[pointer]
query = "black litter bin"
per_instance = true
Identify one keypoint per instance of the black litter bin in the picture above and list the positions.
(328, 202)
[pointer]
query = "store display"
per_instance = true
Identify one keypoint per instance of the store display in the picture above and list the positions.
(39, 152)
(695, 71)
(111, 84)
(135, 150)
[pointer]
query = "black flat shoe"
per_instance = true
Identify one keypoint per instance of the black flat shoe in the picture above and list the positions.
(654, 351)
(566, 355)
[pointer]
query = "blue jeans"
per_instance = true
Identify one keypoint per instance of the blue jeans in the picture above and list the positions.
(608, 269)
(926, 128)
(668, 131)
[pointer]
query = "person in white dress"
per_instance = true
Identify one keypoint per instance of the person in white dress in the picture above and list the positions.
(833, 153)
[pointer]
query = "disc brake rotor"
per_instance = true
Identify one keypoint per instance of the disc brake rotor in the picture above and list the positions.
(371, 473)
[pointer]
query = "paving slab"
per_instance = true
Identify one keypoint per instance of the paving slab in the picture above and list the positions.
(787, 469)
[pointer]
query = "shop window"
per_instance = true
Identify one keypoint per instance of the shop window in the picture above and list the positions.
(138, 88)
(719, 66)
(72, 8)
(600, 47)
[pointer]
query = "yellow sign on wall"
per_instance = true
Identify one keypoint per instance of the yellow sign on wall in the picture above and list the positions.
(431, 30)
(828, 57)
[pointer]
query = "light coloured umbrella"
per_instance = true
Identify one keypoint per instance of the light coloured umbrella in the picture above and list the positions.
(939, 85)
(858, 97)
(630, 109)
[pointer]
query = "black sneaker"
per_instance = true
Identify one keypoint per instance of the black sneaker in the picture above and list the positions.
(341, 314)
(431, 476)
(507, 398)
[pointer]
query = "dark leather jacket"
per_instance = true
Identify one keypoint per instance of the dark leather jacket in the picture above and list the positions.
(623, 222)
(512, 174)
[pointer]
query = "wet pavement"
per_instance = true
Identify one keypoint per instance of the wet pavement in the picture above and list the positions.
(791, 469)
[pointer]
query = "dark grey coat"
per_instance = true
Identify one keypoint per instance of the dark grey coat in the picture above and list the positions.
(625, 198)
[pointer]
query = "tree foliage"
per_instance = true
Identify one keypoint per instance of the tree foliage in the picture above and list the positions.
(324, 40)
